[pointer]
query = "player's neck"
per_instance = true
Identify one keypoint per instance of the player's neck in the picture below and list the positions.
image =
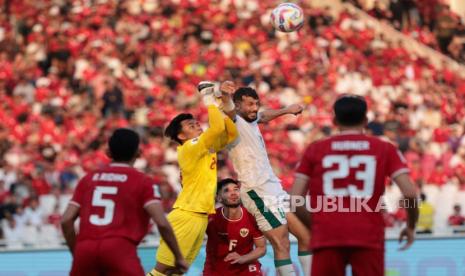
(349, 130)
(121, 164)
(232, 213)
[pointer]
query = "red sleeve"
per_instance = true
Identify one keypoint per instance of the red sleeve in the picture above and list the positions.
(396, 163)
(150, 192)
(305, 165)
(79, 192)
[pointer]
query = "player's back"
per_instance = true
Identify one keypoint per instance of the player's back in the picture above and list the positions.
(347, 175)
(112, 203)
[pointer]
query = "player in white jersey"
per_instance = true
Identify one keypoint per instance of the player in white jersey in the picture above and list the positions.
(261, 190)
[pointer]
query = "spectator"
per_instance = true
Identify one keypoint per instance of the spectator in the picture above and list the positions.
(438, 176)
(113, 102)
(34, 215)
(426, 214)
(20, 216)
(55, 217)
(456, 219)
(445, 28)
(13, 233)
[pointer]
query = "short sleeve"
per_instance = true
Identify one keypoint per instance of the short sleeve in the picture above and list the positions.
(396, 163)
(79, 192)
(150, 192)
(305, 165)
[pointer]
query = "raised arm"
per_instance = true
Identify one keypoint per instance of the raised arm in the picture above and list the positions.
(271, 114)
(216, 128)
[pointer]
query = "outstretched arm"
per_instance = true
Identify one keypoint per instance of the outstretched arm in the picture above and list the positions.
(216, 128)
(269, 115)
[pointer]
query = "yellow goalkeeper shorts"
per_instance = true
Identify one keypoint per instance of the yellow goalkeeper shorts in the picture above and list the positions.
(189, 229)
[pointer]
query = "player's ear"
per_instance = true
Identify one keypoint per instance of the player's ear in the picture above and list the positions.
(335, 121)
(181, 136)
(218, 198)
(108, 153)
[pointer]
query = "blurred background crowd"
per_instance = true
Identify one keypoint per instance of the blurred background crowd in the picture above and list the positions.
(72, 71)
(431, 22)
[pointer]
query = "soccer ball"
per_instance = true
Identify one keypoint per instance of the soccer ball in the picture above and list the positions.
(287, 17)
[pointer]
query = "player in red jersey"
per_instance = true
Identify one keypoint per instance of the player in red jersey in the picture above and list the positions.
(232, 234)
(344, 169)
(114, 205)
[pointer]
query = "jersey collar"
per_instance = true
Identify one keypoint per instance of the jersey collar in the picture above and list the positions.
(119, 165)
(232, 220)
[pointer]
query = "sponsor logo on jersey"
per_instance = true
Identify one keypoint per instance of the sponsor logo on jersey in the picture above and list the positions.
(244, 232)
(252, 268)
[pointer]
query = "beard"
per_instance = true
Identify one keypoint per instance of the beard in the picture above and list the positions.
(232, 205)
(246, 117)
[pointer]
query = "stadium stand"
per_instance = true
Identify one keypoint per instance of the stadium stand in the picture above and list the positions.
(70, 73)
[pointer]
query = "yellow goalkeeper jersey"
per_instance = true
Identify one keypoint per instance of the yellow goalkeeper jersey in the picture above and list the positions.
(197, 161)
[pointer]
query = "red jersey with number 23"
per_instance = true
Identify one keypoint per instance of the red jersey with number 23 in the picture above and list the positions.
(226, 236)
(349, 169)
(112, 202)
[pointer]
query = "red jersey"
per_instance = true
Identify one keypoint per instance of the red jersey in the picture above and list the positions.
(348, 171)
(112, 202)
(226, 236)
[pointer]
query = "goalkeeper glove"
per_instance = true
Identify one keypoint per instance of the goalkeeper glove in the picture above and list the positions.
(211, 95)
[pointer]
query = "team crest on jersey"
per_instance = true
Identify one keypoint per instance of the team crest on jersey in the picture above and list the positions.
(244, 232)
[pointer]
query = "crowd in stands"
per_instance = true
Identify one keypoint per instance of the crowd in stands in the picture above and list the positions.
(431, 22)
(72, 71)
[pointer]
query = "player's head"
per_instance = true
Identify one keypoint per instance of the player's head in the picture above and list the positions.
(123, 145)
(247, 103)
(182, 128)
(423, 197)
(228, 193)
(350, 111)
(457, 209)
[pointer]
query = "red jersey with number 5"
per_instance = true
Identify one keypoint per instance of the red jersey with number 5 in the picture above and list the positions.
(347, 175)
(112, 202)
(226, 236)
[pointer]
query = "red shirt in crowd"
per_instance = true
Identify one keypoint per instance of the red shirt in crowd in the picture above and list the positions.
(456, 220)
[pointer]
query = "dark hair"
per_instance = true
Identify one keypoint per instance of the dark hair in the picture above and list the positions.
(224, 182)
(350, 110)
(123, 144)
(423, 197)
(174, 127)
(244, 91)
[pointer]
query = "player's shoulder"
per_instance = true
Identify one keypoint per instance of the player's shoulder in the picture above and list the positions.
(247, 214)
(216, 215)
(188, 146)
